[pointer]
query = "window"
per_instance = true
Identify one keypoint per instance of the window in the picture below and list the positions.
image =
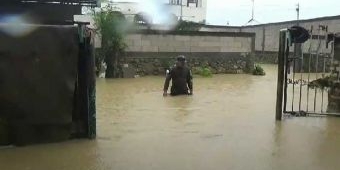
(192, 1)
(195, 2)
(175, 2)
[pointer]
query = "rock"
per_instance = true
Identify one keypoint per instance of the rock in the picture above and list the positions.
(148, 68)
(128, 72)
(239, 71)
(213, 70)
(196, 70)
(221, 70)
(244, 64)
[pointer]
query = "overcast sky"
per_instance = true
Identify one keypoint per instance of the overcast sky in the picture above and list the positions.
(238, 12)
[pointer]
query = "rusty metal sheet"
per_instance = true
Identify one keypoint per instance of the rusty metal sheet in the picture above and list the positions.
(38, 74)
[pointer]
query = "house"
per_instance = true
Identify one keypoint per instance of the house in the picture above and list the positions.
(158, 12)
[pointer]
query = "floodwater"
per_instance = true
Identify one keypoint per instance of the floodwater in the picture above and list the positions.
(228, 124)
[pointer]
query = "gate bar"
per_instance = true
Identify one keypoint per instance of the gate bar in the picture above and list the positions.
(301, 77)
(323, 76)
(324, 67)
(286, 65)
(309, 63)
(293, 96)
(316, 67)
(314, 114)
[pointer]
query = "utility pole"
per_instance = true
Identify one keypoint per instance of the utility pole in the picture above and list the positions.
(253, 10)
(298, 46)
(298, 13)
(181, 18)
(252, 19)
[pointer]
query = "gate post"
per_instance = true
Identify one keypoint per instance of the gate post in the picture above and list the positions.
(280, 76)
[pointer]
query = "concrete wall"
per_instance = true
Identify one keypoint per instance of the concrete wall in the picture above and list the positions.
(152, 52)
(188, 43)
(212, 28)
(267, 35)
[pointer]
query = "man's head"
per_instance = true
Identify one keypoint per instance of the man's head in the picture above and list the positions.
(181, 61)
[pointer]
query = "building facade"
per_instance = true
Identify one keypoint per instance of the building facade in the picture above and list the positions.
(161, 11)
(191, 10)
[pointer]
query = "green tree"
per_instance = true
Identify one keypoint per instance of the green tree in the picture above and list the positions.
(111, 26)
(188, 26)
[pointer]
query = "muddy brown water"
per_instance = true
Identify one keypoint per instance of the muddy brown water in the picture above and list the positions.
(227, 124)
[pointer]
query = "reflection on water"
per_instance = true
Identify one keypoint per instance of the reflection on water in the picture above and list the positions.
(228, 124)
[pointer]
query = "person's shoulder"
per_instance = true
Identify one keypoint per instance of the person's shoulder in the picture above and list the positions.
(172, 68)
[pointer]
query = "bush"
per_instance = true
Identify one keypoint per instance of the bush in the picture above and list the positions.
(188, 26)
(205, 72)
(258, 70)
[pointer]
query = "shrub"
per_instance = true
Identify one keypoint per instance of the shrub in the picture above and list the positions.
(258, 70)
(205, 72)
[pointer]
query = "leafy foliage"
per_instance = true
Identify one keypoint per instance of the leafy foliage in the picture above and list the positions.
(188, 26)
(111, 26)
(206, 72)
(258, 70)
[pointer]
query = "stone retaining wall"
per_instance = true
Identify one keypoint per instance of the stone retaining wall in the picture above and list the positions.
(218, 63)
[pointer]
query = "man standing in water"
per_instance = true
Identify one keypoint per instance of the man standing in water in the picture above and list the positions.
(181, 79)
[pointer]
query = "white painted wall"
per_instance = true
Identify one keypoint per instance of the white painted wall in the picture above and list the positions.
(190, 13)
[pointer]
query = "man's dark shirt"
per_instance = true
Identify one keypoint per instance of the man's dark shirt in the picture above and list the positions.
(181, 79)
